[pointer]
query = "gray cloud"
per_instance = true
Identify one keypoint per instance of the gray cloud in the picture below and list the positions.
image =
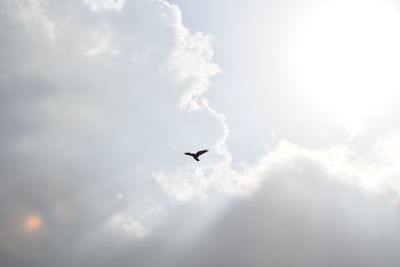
(79, 128)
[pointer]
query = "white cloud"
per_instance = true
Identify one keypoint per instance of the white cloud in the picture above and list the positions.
(128, 225)
(387, 148)
(101, 5)
(101, 45)
(341, 163)
(33, 14)
(191, 58)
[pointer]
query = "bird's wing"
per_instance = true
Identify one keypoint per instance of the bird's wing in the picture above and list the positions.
(201, 152)
(188, 153)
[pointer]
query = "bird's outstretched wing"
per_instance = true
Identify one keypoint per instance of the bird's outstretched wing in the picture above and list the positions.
(189, 154)
(201, 152)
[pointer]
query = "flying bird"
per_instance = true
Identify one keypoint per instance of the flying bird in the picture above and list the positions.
(197, 154)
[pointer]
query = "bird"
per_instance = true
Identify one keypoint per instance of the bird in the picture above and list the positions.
(197, 154)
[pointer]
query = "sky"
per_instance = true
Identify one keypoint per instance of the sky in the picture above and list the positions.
(295, 100)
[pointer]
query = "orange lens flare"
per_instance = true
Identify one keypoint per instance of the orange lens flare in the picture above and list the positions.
(33, 222)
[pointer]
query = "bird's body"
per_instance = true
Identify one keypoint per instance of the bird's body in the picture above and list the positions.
(197, 154)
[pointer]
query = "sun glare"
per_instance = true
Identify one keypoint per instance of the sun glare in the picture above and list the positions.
(347, 57)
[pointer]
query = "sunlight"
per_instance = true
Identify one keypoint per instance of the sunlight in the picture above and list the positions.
(347, 58)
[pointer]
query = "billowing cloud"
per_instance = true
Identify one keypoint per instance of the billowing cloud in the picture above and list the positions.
(310, 208)
(84, 121)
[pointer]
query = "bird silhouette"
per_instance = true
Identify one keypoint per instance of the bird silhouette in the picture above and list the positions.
(197, 154)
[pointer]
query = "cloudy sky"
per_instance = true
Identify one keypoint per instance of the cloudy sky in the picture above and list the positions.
(296, 101)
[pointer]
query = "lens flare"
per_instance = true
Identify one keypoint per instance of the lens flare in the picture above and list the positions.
(33, 222)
